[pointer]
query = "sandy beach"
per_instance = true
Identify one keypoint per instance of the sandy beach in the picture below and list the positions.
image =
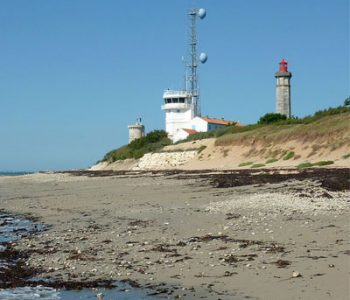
(191, 236)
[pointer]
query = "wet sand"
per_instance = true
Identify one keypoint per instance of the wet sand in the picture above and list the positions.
(237, 235)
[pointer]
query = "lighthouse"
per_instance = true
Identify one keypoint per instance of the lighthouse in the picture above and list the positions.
(283, 77)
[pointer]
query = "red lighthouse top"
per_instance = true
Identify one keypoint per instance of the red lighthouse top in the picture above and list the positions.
(283, 65)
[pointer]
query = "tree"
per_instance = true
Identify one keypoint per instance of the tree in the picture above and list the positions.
(347, 102)
(271, 118)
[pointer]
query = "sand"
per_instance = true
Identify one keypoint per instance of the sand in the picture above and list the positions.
(185, 238)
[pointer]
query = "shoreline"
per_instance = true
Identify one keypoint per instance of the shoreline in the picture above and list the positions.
(206, 238)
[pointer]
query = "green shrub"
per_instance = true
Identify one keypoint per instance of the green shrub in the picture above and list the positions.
(257, 166)
(346, 156)
(271, 118)
(318, 164)
(289, 155)
(304, 165)
(323, 163)
(271, 160)
(152, 142)
(243, 164)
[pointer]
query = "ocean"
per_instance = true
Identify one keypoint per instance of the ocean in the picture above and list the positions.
(10, 173)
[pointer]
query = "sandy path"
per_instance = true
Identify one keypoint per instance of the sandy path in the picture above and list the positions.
(199, 241)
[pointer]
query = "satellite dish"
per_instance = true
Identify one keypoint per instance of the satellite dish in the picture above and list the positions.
(203, 57)
(201, 13)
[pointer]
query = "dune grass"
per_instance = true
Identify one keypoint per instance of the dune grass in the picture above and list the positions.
(346, 156)
(271, 160)
(321, 163)
(244, 164)
(331, 127)
(255, 166)
(289, 155)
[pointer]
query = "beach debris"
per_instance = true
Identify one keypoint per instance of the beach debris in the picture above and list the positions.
(228, 273)
(230, 216)
(296, 274)
(281, 263)
(230, 259)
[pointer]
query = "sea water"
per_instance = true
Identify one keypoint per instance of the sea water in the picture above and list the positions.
(13, 228)
(14, 173)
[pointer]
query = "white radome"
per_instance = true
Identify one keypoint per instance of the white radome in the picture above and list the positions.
(202, 13)
(203, 57)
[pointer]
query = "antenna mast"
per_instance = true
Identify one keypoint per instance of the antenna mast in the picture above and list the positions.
(192, 78)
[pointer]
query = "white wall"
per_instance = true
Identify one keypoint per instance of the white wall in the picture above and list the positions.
(175, 120)
(180, 135)
(199, 124)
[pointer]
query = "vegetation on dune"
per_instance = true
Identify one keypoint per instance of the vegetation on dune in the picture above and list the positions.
(331, 124)
(201, 148)
(316, 164)
(271, 118)
(347, 102)
(289, 155)
(346, 156)
(270, 122)
(323, 163)
(271, 160)
(247, 163)
(304, 165)
(255, 166)
(152, 142)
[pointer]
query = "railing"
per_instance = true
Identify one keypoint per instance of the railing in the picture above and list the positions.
(176, 106)
(176, 93)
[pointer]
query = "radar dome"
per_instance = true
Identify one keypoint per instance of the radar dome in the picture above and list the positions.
(202, 13)
(203, 57)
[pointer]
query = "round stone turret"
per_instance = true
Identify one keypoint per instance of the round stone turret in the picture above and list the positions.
(283, 100)
(136, 130)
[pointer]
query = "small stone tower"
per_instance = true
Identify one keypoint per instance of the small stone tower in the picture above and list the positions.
(136, 130)
(283, 77)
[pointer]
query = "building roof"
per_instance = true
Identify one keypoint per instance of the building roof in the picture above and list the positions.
(217, 121)
(190, 131)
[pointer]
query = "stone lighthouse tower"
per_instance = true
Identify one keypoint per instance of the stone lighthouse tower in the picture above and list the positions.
(283, 77)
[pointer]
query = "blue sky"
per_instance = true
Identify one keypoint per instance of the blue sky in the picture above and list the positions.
(75, 73)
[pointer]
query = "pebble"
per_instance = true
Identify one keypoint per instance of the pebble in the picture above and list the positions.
(296, 274)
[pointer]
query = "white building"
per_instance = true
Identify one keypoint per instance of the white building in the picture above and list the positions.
(199, 124)
(179, 111)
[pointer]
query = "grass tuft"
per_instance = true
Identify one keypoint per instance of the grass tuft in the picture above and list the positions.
(346, 156)
(316, 164)
(271, 160)
(289, 155)
(247, 163)
(323, 163)
(201, 148)
(257, 166)
(304, 165)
